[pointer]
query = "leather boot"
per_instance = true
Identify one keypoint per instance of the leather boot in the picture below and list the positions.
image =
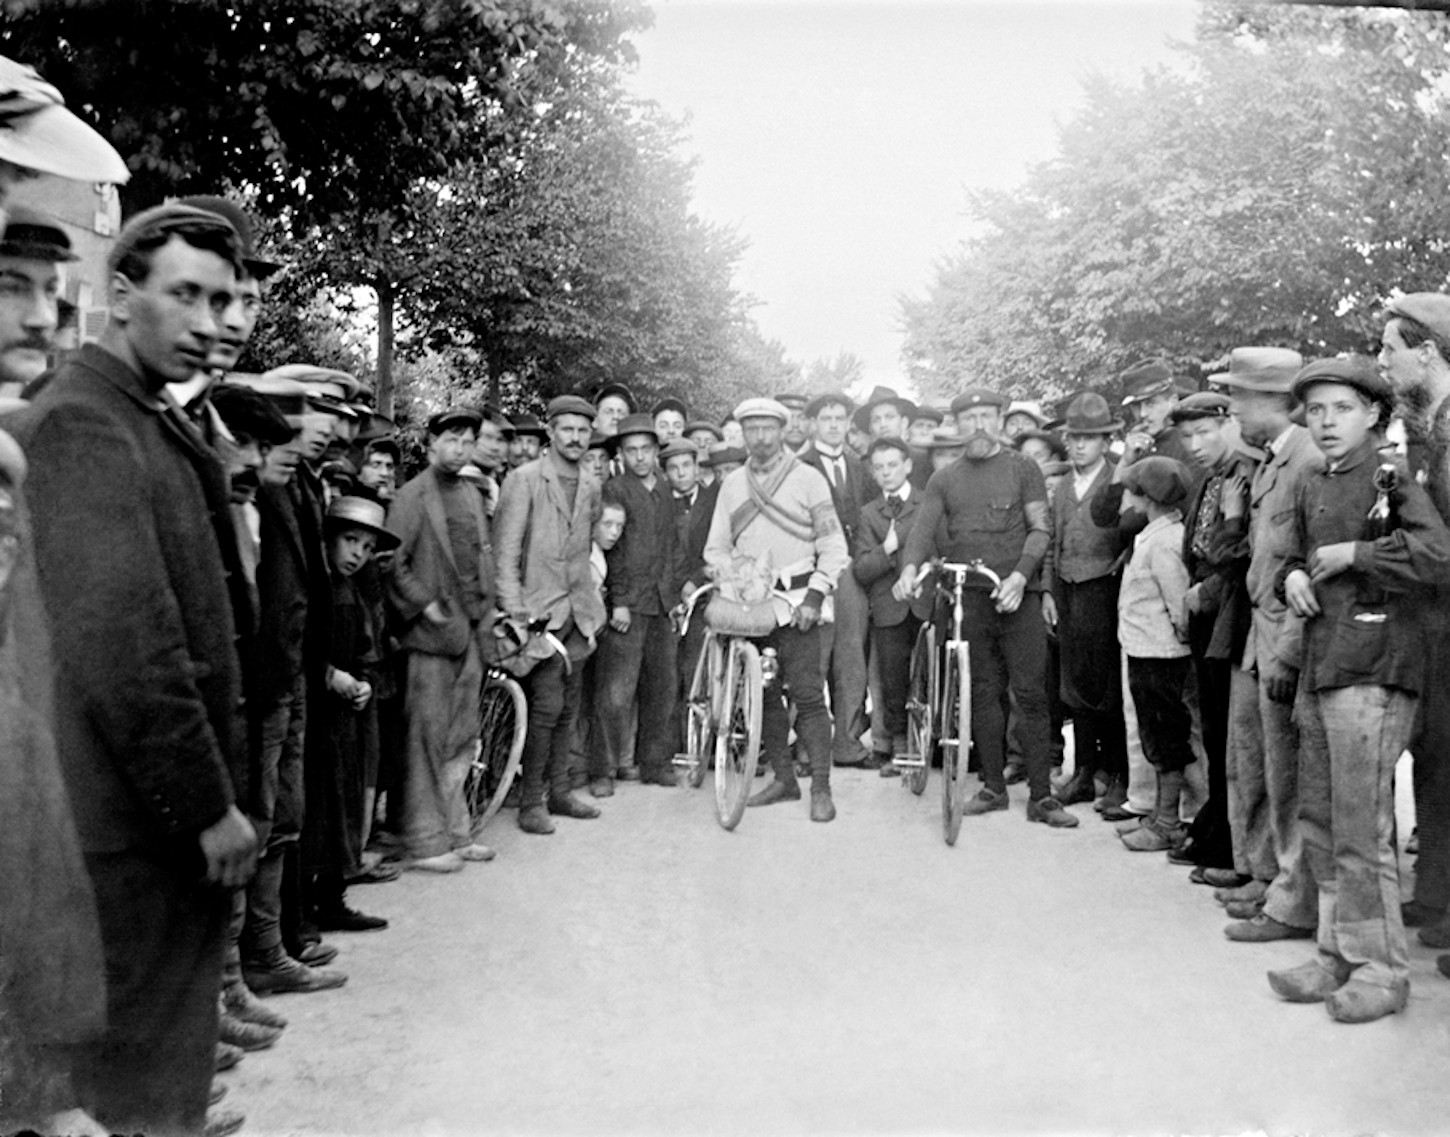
(1115, 795)
(1077, 788)
(240, 1003)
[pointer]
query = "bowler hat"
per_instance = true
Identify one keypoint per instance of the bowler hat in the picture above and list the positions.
(1357, 371)
(453, 418)
(1144, 379)
(829, 399)
(530, 425)
(979, 397)
(1089, 414)
(353, 512)
(34, 236)
(1203, 404)
(636, 424)
(1430, 310)
(670, 403)
(1269, 370)
(569, 405)
(881, 395)
(1158, 478)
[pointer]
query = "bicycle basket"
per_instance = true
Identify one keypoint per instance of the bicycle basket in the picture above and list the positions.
(737, 618)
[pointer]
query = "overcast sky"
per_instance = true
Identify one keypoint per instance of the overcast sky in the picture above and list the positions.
(840, 137)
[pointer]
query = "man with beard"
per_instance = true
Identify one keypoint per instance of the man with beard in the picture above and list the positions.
(1415, 359)
(994, 505)
(150, 746)
(544, 537)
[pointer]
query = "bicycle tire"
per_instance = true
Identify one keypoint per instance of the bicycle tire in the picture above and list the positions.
(503, 725)
(700, 712)
(955, 759)
(737, 740)
(921, 691)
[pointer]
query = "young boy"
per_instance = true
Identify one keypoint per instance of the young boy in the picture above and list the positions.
(337, 791)
(1369, 550)
(1153, 630)
(607, 531)
(885, 524)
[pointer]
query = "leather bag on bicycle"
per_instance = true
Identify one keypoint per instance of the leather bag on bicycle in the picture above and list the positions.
(742, 605)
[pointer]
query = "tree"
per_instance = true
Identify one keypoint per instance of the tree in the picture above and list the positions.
(1275, 190)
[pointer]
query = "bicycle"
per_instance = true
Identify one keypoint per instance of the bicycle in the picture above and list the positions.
(503, 726)
(939, 701)
(723, 714)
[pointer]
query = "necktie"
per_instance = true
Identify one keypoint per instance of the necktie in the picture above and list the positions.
(893, 505)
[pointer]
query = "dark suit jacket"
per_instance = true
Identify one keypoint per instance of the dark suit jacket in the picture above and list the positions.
(859, 489)
(695, 531)
(282, 590)
(127, 505)
(424, 569)
(876, 571)
(646, 566)
(1221, 629)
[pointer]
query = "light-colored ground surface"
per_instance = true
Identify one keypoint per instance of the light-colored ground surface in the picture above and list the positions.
(651, 973)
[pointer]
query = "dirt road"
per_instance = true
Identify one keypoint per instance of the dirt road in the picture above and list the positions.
(651, 973)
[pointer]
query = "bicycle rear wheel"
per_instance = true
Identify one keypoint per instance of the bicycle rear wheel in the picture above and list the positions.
(737, 742)
(919, 695)
(958, 708)
(500, 749)
(700, 712)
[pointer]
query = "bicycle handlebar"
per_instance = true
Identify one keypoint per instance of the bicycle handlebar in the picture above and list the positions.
(962, 570)
(687, 610)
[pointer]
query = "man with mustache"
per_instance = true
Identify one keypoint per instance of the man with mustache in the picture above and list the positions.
(994, 507)
(31, 253)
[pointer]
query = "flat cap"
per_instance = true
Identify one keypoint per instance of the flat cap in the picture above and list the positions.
(1270, 370)
(896, 444)
(930, 414)
(453, 418)
(249, 412)
(792, 401)
(830, 399)
(598, 440)
(1158, 478)
(259, 267)
(311, 375)
(1357, 371)
(1052, 441)
(702, 424)
(34, 236)
(288, 395)
(1031, 410)
(722, 454)
(1201, 404)
(670, 403)
(1144, 379)
(677, 446)
(1429, 309)
(173, 218)
(384, 446)
(569, 405)
(979, 397)
(617, 391)
(37, 132)
(762, 408)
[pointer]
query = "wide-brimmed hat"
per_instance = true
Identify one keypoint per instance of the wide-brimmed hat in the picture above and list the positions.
(353, 512)
(1269, 370)
(1144, 379)
(829, 399)
(38, 133)
(636, 424)
(528, 424)
(1089, 414)
(881, 395)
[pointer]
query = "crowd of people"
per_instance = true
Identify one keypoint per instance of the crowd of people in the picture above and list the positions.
(241, 651)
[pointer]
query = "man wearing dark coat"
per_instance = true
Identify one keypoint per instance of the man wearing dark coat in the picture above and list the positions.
(148, 682)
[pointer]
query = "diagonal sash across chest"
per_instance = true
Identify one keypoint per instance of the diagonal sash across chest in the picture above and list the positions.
(761, 502)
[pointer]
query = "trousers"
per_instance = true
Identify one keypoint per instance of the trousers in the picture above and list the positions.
(1008, 651)
(1164, 722)
(553, 696)
(843, 663)
(1351, 738)
(635, 669)
(442, 733)
(281, 808)
(1431, 777)
(798, 682)
(892, 646)
(163, 933)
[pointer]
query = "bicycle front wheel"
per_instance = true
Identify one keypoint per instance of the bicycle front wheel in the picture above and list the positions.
(737, 741)
(958, 709)
(504, 717)
(700, 711)
(919, 695)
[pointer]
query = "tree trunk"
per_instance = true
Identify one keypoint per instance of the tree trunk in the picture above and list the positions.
(383, 286)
